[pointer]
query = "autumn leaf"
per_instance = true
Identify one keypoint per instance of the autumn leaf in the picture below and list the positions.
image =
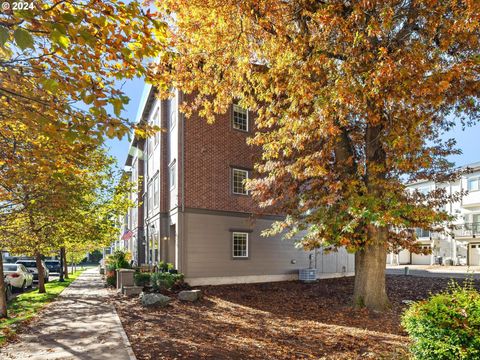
(23, 38)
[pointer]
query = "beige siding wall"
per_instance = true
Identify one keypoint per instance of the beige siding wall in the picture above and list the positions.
(208, 241)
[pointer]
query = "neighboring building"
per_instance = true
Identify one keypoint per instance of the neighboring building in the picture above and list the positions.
(462, 246)
(197, 212)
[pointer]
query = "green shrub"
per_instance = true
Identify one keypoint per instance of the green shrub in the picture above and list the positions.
(142, 279)
(447, 325)
(165, 280)
(118, 260)
(112, 280)
(163, 266)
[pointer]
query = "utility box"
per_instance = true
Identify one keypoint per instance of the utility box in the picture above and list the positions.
(125, 278)
(307, 275)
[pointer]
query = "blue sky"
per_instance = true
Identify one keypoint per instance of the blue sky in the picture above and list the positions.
(468, 140)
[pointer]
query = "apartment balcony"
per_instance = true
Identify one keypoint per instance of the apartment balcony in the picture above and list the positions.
(472, 199)
(467, 230)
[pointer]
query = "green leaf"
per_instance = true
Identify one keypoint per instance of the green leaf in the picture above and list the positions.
(117, 106)
(4, 35)
(23, 38)
(50, 84)
(60, 39)
(69, 17)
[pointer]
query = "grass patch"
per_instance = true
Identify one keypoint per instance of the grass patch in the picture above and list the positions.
(26, 305)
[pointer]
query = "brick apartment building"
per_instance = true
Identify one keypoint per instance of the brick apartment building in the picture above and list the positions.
(193, 210)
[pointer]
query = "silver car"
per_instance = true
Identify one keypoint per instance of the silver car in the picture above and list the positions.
(18, 276)
(31, 266)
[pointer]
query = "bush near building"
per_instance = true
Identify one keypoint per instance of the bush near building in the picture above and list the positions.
(447, 325)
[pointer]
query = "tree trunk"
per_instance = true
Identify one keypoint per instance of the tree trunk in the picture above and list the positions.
(61, 272)
(3, 298)
(41, 273)
(65, 263)
(370, 265)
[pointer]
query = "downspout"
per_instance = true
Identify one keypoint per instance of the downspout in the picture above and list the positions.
(182, 201)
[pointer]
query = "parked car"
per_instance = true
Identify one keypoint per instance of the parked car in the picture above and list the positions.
(53, 266)
(31, 266)
(18, 276)
(8, 289)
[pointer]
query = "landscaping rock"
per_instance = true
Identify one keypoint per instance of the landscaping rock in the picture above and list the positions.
(155, 300)
(189, 295)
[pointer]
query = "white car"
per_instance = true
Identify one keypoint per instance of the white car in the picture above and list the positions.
(31, 266)
(18, 276)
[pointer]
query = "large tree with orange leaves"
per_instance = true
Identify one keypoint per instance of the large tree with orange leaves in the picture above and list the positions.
(352, 98)
(60, 64)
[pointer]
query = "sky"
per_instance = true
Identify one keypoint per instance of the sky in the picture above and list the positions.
(119, 148)
(468, 141)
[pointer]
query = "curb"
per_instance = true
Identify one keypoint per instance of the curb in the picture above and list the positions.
(126, 342)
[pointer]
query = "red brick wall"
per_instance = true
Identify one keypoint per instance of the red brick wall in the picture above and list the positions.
(210, 153)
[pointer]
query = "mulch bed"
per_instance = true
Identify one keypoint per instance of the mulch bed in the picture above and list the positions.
(287, 320)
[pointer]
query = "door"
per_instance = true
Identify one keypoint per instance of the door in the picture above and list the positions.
(474, 255)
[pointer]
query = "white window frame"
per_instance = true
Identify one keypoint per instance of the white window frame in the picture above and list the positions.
(156, 192)
(246, 245)
(172, 115)
(233, 181)
(239, 109)
(156, 122)
(473, 180)
(150, 197)
(171, 174)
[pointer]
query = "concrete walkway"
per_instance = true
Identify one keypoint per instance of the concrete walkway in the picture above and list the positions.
(81, 324)
(449, 272)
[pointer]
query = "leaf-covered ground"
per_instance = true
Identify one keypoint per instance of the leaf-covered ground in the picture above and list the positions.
(287, 320)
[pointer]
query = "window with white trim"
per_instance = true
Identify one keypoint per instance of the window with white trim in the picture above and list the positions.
(150, 197)
(156, 122)
(240, 118)
(240, 245)
(172, 118)
(156, 195)
(473, 184)
(239, 177)
(171, 175)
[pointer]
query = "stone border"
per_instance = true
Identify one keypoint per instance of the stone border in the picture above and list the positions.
(126, 342)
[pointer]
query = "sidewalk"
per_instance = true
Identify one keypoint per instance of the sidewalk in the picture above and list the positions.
(79, 325)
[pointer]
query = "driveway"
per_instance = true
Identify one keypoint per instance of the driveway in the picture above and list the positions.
(454, 272)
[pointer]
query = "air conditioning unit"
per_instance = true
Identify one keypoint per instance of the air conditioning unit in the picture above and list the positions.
(307, 275)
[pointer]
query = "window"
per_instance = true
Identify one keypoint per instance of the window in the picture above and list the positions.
(150, 147)
(240, 245)
(239, 177)
(156, 122)
(150, 197)
(171, 173)
(155, 192)
(473, 184)
(240, 118)
(422, 233)
(172, 116)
